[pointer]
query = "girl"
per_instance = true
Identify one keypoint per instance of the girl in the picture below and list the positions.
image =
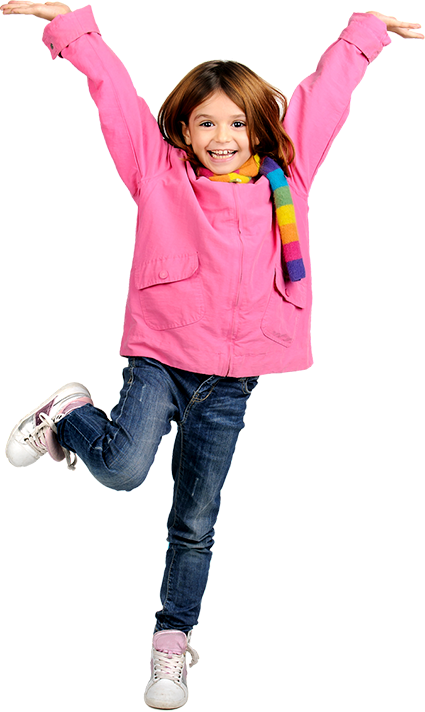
(220, 287)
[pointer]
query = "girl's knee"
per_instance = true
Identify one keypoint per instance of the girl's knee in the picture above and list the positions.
(120, 478)
(126, 484)
(196, 537)
(119, 483)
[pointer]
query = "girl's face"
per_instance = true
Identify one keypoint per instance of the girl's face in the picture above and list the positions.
(217, 132)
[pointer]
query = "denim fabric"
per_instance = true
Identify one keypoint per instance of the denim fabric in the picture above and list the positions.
(119, 452)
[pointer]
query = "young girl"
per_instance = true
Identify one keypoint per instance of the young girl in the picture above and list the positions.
(220, 287)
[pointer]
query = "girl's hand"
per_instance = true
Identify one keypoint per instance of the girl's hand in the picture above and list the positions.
(404, 29)
(46, 11)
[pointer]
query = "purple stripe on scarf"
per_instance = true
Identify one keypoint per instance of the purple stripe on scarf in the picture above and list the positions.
(296, 270)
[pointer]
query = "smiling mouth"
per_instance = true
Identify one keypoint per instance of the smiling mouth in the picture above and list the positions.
(221, 154)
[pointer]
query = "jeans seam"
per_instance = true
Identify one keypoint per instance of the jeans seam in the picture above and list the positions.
(130, 383)
(168, 580)
(177, 484)
(170, 570)
(201, 400)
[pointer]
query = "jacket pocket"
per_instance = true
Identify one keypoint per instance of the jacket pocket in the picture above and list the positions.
(285, 303)
(170, 289)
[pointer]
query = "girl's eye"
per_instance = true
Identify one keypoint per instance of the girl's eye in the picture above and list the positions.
(239, 124)
(207, 124)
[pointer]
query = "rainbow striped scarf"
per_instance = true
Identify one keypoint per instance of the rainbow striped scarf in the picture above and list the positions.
(284, 207)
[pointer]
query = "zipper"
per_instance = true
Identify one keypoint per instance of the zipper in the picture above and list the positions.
(236, 304)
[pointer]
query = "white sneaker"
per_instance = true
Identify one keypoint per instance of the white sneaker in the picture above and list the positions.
(167, 688)
(34, 435)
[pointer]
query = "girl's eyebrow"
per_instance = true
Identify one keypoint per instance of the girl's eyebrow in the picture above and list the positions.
(209, 116)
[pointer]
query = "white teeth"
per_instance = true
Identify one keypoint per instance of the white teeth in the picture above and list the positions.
(222, 153)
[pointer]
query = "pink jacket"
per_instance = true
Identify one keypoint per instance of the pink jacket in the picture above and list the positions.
(207, 292)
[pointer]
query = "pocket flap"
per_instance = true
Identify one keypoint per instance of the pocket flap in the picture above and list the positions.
(166, 269)
(293, 292)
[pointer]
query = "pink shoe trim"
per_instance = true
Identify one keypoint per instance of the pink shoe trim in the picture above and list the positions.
(75, 404)
(173, 642)
(53, 448)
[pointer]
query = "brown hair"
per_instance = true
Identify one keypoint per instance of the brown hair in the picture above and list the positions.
(263, 105)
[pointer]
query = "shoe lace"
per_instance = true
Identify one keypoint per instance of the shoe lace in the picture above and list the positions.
(193, 654)
(169, 666)
(37, 439)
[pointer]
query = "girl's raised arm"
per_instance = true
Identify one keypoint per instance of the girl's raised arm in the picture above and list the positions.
(321, 103)
(131, 132)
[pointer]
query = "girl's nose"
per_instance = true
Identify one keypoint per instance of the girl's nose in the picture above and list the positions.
(223, 134)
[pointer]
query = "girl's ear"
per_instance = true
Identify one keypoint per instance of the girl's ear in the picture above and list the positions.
(186, 134)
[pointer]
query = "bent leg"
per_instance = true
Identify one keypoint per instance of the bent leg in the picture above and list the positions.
(120, 451)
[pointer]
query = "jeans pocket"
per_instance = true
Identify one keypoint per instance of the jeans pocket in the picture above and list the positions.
(248, 384)
(128, 372)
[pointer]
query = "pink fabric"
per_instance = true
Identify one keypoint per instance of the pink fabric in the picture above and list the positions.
(172, 642)
(206, 291)
(75, 404)
(53, 448)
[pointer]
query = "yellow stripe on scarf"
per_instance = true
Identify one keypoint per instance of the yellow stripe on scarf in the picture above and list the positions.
(285, 214)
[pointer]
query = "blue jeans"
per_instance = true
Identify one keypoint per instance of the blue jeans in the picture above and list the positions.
(119, 452)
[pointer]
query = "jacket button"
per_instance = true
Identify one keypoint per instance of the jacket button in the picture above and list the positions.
(163, 274)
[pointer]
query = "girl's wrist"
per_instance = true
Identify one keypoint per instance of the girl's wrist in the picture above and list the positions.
(379, 16)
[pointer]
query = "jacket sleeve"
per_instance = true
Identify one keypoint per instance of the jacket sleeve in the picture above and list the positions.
(321, 103)
(131, 132)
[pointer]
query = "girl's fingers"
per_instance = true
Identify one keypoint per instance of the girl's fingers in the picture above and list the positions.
(14, 4)
(406, 25)
(407, 32)
(405, 29)
(18, 11)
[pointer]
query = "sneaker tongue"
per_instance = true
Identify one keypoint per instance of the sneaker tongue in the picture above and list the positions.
(174, 642)
(53, 448)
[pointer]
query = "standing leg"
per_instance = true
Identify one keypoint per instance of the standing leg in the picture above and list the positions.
(203, 451)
